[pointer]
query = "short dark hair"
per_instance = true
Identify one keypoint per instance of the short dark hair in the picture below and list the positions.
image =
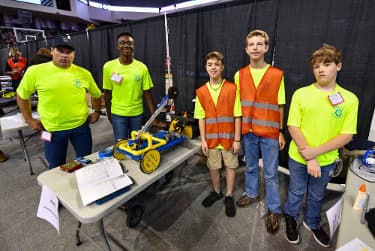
(124, 34)
(214, 54)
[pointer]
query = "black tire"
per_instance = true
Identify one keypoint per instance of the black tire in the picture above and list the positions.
(135, 214)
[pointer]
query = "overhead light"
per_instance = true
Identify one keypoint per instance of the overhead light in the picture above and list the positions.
(30, 1)
(133, 9)
(183, 5)
(84, 1)
(193, 3)
(95, 4)
(123, 8)
(167, 8)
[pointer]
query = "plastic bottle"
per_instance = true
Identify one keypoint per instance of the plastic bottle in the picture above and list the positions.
(361, 197)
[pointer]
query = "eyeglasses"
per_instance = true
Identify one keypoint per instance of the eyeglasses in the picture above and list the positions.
(130, 43)
(335, 172)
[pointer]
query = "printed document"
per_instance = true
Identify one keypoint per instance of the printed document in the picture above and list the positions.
(98, 180)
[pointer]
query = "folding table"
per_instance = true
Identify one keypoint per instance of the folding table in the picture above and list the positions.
(64, 185)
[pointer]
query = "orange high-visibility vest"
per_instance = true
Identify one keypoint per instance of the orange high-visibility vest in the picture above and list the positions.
(260, 109)
(18, 67)
(219, 119)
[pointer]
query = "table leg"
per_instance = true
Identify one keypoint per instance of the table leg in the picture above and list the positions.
(78, 239)
(103, 234)
(23, 146)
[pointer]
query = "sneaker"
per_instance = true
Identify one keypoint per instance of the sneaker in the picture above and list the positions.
(291, 233)
(245, 201)
(272, 222)
(3, 157)
(211, 199)
(230, 208)
(320, 236)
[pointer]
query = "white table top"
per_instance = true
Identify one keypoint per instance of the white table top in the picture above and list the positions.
(350, 226)
(13, 123)
(65, 185)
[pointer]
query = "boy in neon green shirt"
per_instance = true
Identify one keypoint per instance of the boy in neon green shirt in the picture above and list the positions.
(125, 82)
(322, 118)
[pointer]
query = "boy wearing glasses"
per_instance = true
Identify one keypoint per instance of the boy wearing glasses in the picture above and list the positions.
(125, 81)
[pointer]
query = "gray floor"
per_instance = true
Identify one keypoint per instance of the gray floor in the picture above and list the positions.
(174, 218)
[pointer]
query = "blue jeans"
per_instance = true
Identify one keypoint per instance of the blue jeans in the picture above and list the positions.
(300, 182)
(270, 155)
(123, 126)
(80, 138)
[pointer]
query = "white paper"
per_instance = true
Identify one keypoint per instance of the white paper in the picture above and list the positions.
(334, 216)
(49, 208)
(355, 245)
(100, 179)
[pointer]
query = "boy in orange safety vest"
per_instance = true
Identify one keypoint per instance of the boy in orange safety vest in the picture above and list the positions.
(262, 94)
(218, 110)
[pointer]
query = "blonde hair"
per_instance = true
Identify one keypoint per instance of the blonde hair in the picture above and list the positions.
(326, 54)
(260, 33)
(214, 54)
(13, 52)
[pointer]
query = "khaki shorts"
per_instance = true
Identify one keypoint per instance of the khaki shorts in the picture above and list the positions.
(215, 157)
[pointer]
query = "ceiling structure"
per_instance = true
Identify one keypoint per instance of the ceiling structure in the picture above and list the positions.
(125, 10)
(83, 12)
(141, 3)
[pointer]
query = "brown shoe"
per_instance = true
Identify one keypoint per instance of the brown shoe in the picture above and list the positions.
(272, 222)
(3, 157)
(245, 201)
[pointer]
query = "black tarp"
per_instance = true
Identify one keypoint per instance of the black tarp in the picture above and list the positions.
(296, 28)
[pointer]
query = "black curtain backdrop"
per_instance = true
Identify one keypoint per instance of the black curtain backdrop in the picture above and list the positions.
(296, 28)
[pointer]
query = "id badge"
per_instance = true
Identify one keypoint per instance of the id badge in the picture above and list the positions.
(116, 78)
(335, 99)
(46, 136)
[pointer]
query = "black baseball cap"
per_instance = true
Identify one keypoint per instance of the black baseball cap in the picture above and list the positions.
(62, 42)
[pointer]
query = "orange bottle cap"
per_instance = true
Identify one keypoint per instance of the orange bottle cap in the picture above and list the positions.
(362, 188)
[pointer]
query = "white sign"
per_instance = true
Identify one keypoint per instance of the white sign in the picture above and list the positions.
(355, 245)
(334, 216)
(49, 208)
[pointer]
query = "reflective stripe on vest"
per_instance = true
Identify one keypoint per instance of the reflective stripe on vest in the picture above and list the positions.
(260, 105)
(219, 121)
(260, 110)
(220, 135)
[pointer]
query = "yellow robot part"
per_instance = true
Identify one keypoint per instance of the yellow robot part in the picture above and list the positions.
(150, 161)
(116, 154)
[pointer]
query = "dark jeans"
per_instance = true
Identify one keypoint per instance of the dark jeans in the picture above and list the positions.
(301, 182)
(80, 138)
(123, 126)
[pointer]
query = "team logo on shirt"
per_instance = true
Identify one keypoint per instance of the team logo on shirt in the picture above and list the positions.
(137, 78)
(338, 112)
(77, 83)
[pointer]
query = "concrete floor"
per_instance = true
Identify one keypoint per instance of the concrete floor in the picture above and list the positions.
(174, 218)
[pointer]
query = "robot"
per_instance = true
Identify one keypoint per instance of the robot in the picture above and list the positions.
(146, 147)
